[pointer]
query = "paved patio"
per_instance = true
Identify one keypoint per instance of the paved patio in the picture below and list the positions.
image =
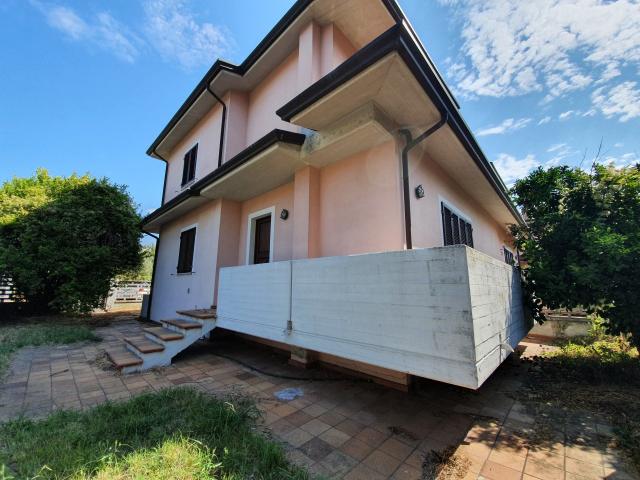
(337, 428)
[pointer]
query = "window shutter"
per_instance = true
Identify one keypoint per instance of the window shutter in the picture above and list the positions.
(456, 230)
(185, 254)
(455, 226)
(189, 165)
(463, 232)
(446, 225)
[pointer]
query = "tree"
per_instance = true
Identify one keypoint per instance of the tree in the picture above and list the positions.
(145, 271)
(582, 241)
(63, 240)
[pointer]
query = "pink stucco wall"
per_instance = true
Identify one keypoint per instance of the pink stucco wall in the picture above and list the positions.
(173, 291)
(281, 197)
(336, 48)
(273, 92)
(488, 236)
(207, 135)
(360, 203)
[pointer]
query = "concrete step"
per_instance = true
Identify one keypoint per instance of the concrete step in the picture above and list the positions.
(164, 333)
(183, 324)
(144, 345)
(200, 314)
(122, 358)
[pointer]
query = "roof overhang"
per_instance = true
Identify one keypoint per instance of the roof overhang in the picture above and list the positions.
(269, 162)
(392, 73)
(223, 76)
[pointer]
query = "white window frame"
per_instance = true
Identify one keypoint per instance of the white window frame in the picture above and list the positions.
(195, 248)
(251, 228)
(457, 211)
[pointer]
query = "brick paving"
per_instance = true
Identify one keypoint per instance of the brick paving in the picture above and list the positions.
(339, 429)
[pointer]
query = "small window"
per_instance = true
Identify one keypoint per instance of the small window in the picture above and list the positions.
(185, 256)
(456, 230)
(189, 167)
(508, 256)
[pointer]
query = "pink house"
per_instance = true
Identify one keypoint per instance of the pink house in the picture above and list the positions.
(326, 197)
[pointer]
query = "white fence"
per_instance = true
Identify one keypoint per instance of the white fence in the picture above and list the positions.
(127, 292)
(443, 313)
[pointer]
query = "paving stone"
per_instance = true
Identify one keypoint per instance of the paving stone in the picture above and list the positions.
(338, 463)
(382, 462)
(316, 449)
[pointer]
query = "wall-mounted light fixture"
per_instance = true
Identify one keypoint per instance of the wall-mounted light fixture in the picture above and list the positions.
(284, 214)
(419, 191)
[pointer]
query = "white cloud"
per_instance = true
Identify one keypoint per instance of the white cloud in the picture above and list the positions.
(508, 125)
(511, 168)
(560, 152)
(103, 31)
(549, 46)
(556, 147)
(67, 21)
(618, 145)
(622, 101)
(177, 35)
(544, 120)
(566, 115)
(168, 25)
(619, 161)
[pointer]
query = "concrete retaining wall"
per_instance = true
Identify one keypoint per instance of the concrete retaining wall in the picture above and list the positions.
(410, 311)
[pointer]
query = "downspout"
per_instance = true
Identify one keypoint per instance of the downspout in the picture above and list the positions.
(153, 272)
(166, 171)
(410, 143)
(155, 257)
(224, 123)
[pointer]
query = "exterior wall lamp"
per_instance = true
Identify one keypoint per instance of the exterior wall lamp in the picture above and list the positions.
(419, 191)
(284, 214)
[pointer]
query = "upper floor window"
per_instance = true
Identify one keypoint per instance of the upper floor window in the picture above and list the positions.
(187, 246)
(189, 167)
(456, 230)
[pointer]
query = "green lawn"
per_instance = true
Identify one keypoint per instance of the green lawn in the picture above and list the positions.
(174, 434)
(16, 336)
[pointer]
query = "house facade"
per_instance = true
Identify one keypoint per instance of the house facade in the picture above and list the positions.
(335, 157)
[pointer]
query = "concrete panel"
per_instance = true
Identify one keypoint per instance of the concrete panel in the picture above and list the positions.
(411, 311)
(497, 311)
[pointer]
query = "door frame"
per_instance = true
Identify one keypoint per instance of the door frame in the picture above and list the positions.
(251, 233)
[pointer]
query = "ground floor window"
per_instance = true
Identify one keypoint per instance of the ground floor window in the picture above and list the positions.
(187, 246)
(508, 256)
(456, 230)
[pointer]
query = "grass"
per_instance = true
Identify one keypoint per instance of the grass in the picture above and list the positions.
(15, 336)
(177, 433)
(599, 375)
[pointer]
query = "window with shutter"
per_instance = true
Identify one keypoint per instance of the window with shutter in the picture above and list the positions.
(456, 230)
(508, 256)
(189, 166)
(185, 254)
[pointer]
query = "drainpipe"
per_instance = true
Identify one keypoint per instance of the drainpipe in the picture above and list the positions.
(166, 171)
(224, 122)
(153, 271)
(410, 143)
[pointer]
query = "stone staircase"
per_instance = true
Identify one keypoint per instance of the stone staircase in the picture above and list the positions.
(158, 345)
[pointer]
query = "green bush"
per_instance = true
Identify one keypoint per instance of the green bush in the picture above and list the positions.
(64, 240)
(582, 242)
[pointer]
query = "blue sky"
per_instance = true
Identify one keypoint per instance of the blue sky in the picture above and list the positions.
(85, 86)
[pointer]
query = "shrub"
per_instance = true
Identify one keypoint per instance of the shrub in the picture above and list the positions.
(63, 240)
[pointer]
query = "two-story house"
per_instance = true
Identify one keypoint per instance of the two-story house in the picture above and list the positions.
(328, 198)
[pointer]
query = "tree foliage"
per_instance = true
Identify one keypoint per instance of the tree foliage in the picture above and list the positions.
(63, 240)
(582, 241)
